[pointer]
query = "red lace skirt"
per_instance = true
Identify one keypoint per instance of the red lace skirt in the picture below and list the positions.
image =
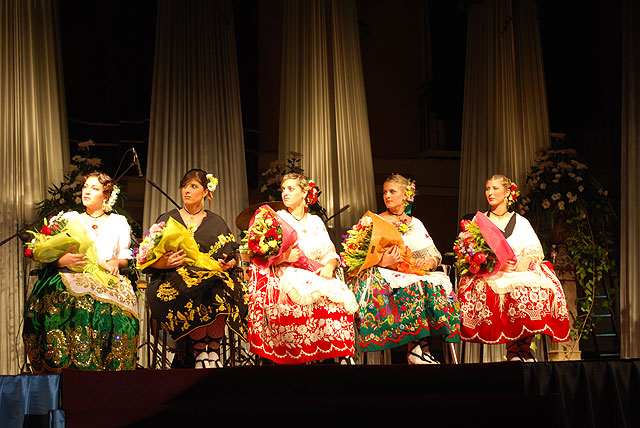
(290, 333)
(528, 309)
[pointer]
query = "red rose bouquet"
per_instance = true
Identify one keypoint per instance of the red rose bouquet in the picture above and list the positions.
(472, 251)
(481, 247)
(269, 236)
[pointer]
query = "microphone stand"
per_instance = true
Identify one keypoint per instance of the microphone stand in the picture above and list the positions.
(133, 163)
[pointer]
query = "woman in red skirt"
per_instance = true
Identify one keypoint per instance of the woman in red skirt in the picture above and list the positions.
(524, 297)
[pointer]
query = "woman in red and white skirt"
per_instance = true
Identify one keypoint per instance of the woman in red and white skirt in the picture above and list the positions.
(524, 297)
(298, 314)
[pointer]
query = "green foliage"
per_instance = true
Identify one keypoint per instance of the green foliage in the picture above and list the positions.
(566, 204)
(67, 196)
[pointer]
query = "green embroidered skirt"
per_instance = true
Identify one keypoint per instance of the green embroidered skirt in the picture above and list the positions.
(63, 330)
(389, 317)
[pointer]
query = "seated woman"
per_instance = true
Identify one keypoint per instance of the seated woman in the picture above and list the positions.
(296, 315)
(191, 301)
(524, 297)
(85, 320)
(397, 308)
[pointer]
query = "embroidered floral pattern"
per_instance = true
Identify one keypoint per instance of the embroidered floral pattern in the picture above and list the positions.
(391, 317)
(524, 311)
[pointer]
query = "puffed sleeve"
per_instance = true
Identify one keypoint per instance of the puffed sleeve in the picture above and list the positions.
(326, 249)
(122, 248)
(524, 241)
(420, 242)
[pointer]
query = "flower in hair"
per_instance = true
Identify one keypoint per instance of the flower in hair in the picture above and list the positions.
(410, 193)
(212, 184)
(109, 203)
(514, 193)
(313, 193)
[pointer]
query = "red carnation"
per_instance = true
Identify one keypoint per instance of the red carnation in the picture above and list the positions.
(479, 258)
(28, 253)
(464, 224)
(46, 230)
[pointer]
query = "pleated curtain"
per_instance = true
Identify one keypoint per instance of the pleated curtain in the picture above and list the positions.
(323, 112)
(630, 182)
(34, 147)
(505, 117)
(196, 118)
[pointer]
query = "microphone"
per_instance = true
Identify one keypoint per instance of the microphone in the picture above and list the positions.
(136, 161)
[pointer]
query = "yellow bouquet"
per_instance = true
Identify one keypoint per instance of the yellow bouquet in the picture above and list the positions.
(57, 236)
(169, 236)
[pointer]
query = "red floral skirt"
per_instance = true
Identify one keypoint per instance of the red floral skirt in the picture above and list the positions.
(287, 332)
(527, 309)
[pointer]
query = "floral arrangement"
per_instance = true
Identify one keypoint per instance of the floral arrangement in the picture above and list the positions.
(402, 226)
(212, 184)
(514, 194)
(567, 206)
(67, 196)
(264, 237)
(356, 243)
(270, 179)
(150, 240)
(52, 227)
(312, 194)
(410, 193)
(472, 252)
(109, 203)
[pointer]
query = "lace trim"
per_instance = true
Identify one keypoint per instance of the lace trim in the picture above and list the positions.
(306, 288)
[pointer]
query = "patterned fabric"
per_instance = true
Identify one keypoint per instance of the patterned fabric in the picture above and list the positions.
(392, 316)
(296, 316)
(187, 298)
(83, 326)
(514, 305)
(397, 308)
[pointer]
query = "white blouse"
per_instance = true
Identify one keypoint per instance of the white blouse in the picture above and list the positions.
(313, 238)
(112, 238)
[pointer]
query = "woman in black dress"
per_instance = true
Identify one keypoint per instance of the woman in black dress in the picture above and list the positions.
(191, 301)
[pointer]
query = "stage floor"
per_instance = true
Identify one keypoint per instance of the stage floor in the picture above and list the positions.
(558, 394)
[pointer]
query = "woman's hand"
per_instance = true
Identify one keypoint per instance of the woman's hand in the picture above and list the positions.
(522, 265)
(170, 260)
(68, 259)
(390, 257)
(292, 255)
(325, 271)
(227, 265)
(112, 266)
(428, 264)
(509, 266)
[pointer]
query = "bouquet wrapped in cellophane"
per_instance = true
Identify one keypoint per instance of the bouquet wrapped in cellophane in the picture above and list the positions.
(58, 235)
(269, 236)
(366, 242)
(169, 236)
(481, 248)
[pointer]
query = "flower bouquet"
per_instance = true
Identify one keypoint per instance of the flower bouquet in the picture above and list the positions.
(172, 236)
(269, 236)
(480, 247)
(366, 243)
(58, 235)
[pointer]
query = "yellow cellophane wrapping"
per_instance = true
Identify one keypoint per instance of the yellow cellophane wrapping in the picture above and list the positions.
(50, 248)
(384, 235)
(176, 237)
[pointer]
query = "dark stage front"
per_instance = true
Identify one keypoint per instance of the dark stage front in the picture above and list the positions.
(558, 394)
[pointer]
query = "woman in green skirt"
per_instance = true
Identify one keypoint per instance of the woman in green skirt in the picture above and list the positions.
(398, 308)
(81, 313)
